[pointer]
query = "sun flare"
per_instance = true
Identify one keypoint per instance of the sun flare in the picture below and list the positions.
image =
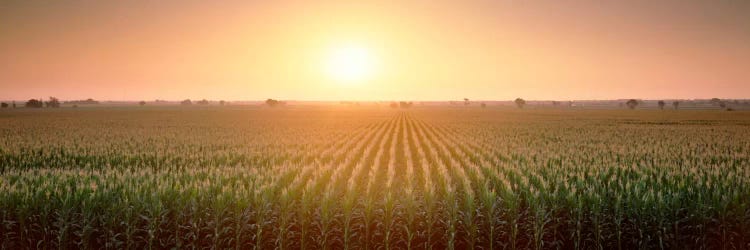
(350, 64)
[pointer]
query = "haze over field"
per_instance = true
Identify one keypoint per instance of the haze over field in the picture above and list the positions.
(372, 50)
(141, 124)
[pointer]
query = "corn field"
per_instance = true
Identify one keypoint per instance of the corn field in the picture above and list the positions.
(374, 178)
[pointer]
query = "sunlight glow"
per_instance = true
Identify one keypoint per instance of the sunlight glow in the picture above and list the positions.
(350, 64)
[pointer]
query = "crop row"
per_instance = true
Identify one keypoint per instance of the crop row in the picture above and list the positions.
(409, 180)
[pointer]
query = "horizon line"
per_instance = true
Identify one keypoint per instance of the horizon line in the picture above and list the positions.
(379, 100)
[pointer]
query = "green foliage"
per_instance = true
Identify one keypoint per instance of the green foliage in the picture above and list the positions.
(374, 178)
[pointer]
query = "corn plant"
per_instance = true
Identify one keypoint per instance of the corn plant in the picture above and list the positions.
(373, 177)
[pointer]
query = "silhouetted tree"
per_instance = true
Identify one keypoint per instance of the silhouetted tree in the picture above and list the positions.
(3, 105)
(222, 102)
(52, 103)
(722, 104)
(394, 105)
(186, 102)
(555, 103)
(34, 103)
(405, 105)
(715, 101)
(274, 103)
(141, 103)
(271, 102)
(14, 104)
(466, 102)
(483, 105)
(87, 101)
(676, 104)
(661, 104)
(75, 105)
(202, 102)
(520, 102)
(632, 103)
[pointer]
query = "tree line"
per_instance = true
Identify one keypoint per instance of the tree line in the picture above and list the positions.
(53, 102)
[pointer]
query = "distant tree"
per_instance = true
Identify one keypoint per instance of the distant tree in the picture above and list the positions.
(394, 105)
(632, 103)
(483, 105)
(715, 101)
(661, 104)
(555, 103)
(274, 103)
(142, 103)
(14, 104)
(676, 104)
(3, 105)
(466, 102)
(520, 102)
(75, 105)
(202, 102)
(87, 101)
(186, 102)
(405, 105)
(34, 103)
(722, 104)
(222, 102)
(52, 103)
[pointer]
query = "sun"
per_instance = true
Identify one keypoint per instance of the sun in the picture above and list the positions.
(350, 64)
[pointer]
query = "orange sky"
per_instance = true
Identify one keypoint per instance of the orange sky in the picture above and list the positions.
(242, 50)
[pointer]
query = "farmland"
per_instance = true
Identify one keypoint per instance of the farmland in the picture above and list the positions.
(374, 178)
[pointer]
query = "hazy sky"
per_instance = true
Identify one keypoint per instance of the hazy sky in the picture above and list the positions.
(422, 50)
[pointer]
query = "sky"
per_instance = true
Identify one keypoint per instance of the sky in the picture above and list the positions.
(416, 50)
